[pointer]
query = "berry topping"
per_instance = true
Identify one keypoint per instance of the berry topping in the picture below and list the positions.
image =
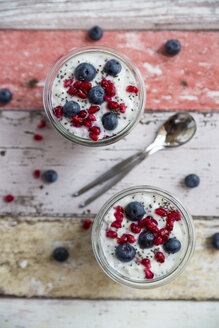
(111, 234)
(96, 95)
(77, 121)
(71, 108)
(148, 274)
(85, 72)
(8, 198)
(110, 121)
(172, 246)
(86, 224)
(164, 234)
(144, 222)
(135, 228)
(175, 215)
(160, 212)
(94, 136)
(95, 33)
(91, 117)
(146, 239)
(122, 108)
(5, 96)
(67, 83)
(110, 90)
(87, 123)
(113, 105)
(123, 239)
(125, 252)
(132, 89)
(41, 125)
(58, 111)
(215, 240)
(118, 216)
(158, 241)
(93, 109)
(82, 114)
(134, 211)
(119, 209)
(60, 254)
(172, 47)
(37, 137)
(192, 181)
(50, 176)
(116, 224)
(159, 257)
(169, 224)
(36, 174)
(95, 130)
(113, 67)
(146, 263)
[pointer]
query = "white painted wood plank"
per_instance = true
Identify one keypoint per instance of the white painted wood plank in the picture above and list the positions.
(77, 165)
(115, 14)
(22, 313)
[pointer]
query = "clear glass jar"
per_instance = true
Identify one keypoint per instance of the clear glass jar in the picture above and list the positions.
(186, 252)
(47, 95)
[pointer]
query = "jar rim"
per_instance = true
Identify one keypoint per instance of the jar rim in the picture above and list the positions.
(146, 284)
(47, 93)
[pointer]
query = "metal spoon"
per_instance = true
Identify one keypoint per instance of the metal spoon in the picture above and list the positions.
(176, 131)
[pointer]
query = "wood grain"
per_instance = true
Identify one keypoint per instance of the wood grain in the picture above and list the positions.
(77, 165)
(27, 268)
(61, 14)
(68, 313)
(188, 81)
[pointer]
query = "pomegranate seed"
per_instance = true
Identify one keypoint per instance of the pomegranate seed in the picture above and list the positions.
(148, 274)
(107, 98)
(120, 209)
(135, 228)
(72, 91)
(82, 94)
(111, 234)
(86, 224)
(123, 239)
(82, 114)
(77, 84)
(122, 108)
(110, 90)
(58, 112)
(37, 137)
(116, 224)
(118, 216)
(132, 89)
(169, 224)
(85, 85)
(159, 257)
(104, 83)
(144, 222)
(160, 211)
(95, 130)
(93, 109)
(94, 136)
(91, 117)
(146, 263)
(67, 83)
(174, 215)
(131, 238)
(36, 174)
(158, 241)
(155, 230)
(164, 234)
(87, 123)
(41, 125)
(9, 198)
(77, 121)
(153, 221)
(112, 105)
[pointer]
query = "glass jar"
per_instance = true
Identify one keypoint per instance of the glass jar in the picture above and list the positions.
(47, 95)
(186, 251)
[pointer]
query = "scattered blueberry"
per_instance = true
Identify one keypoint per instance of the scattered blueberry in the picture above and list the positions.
(134, 211)
(215, 240)
(146, 239)
(95, 33)
(113, 67)
(172, 245)
(5, 96)
(60, 254)
(71, 108)
(50, 176)
(172, 47)
(85, 72)
(125, 252)
(110, 121)
(192, 181)
(96, 95)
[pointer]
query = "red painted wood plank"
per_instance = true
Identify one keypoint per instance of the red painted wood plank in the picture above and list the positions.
(184, 82)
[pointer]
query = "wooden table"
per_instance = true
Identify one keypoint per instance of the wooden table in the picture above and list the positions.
(77, 293)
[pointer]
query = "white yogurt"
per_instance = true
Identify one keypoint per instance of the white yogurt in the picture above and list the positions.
(124, 78)
(134, 269)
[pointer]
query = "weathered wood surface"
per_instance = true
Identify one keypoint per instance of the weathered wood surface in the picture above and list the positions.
(20, 155)
(76, 313)
(188, 81)
(139, 14)
(27, 268)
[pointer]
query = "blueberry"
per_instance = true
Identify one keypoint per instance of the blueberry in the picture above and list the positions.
(113, 67)
(134, 211)
(172, 245)
(172, 47)
(85, 72)
(71, 108)
(192, 181)
(146, 239)
(215, 240)
(96, 95)
(5, 96)
(95, 33)
(50, 176)
(110, 121)
(125, 252)
(60, 254)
